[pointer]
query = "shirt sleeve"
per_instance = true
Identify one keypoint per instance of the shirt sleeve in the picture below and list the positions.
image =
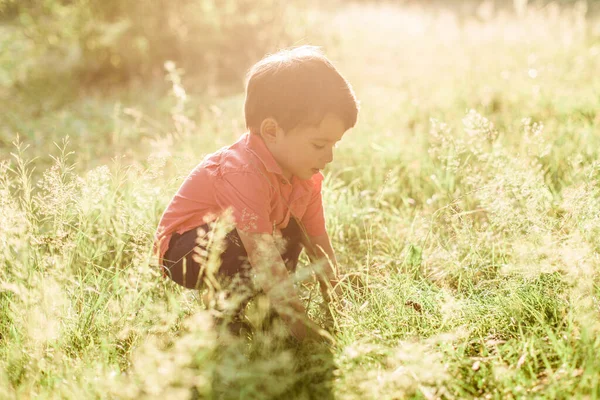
(314, 218)
(248, 196)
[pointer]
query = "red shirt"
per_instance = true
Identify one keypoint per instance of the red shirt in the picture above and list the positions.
(245, 178)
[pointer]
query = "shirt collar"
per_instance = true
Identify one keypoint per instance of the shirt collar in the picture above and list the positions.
(256, 145)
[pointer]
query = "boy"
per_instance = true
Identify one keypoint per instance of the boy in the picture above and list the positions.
(297, 108)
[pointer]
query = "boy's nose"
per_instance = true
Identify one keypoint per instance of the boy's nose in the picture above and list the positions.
(329, 156)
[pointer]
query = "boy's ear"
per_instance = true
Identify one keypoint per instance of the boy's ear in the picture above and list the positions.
(268, 129)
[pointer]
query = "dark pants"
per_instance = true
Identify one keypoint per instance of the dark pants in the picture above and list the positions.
(234, 259)
(234, 272)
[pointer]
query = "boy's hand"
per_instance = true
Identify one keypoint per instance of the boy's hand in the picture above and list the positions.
(304, 331)
(332, 292)
(298, 330)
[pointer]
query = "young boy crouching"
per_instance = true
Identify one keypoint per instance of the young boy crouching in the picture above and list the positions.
(297, 108)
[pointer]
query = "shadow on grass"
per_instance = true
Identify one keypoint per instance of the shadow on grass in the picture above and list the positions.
(315, 367)
(265, 365)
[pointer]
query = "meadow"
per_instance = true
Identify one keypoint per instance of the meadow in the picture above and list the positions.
(464, 208)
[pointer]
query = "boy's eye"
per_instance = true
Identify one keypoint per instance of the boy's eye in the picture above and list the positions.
(318, 147)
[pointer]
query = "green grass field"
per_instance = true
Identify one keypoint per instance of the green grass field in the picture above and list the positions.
(464, 208)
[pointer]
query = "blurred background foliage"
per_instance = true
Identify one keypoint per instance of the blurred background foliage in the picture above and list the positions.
(103, 41)
(112, 41)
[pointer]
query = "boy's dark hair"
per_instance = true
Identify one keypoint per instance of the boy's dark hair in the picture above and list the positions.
(296, 87)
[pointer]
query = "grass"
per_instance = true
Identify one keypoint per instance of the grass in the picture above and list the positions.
(463, 208)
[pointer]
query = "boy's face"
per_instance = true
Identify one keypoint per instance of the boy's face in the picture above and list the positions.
(304, 151)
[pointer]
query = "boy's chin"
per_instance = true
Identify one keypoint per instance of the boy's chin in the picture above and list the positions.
(307, 174)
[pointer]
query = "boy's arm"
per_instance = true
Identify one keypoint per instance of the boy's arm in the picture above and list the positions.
(320, 249)
(272, 276)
